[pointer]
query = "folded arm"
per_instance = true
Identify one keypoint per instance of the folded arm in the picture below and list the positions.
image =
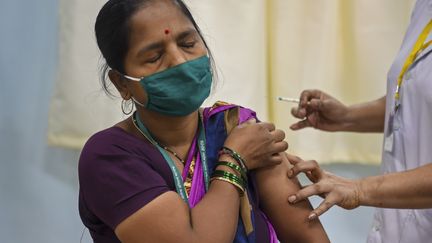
(168, 219)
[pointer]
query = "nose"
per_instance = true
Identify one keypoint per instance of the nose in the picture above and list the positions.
(176, 57)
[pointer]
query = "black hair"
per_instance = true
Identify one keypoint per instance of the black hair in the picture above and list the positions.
(112, 31)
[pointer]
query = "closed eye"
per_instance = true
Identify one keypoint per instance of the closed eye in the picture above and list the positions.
(155, 58)
(189, 44)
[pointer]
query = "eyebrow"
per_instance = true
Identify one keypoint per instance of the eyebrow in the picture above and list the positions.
(186, 33)
(160, 44)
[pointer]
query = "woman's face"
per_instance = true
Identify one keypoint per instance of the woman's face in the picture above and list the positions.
(161, 36)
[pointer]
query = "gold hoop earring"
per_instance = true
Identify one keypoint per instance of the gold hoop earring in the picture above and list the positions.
(126, 105)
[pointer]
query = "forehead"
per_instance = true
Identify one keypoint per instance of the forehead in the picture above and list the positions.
(152, 20)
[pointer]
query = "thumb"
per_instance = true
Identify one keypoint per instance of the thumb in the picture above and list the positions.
(300, 125)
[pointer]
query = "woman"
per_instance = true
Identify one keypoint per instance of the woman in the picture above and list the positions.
(171, 171)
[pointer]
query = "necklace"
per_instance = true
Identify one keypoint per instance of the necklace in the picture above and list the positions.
(152, 141)
(174, 153)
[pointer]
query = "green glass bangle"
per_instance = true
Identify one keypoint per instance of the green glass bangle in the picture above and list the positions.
(230, 176)
(235, 167)
(234, 155)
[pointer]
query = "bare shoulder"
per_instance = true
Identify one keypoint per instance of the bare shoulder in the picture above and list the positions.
(289, 220)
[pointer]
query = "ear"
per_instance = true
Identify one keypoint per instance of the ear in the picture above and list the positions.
(120, 83)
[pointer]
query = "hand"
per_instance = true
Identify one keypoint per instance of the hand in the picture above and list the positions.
(334, 189)
(319, 110)
(259, 144)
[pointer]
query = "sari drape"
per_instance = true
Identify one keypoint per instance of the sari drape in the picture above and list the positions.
(217, 125)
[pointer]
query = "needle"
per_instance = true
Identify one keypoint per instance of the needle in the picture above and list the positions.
(293, 100)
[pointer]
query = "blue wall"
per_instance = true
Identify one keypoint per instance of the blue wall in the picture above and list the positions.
(38, 184)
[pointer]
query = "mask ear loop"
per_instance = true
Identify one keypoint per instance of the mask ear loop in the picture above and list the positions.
(131, 78)
(123, 105)
(127, 77)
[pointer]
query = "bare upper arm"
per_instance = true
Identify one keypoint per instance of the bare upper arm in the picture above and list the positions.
(290, 221)
(164, 219)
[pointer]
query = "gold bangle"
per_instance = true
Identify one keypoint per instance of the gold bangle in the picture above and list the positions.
(240, 189)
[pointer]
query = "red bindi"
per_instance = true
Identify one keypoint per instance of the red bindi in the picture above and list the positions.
(167, 31)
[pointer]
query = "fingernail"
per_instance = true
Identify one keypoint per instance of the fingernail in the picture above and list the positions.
(312, 216)
(290, 173)
(292, 199)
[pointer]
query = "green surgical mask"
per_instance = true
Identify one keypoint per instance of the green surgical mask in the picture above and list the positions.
(179, 90)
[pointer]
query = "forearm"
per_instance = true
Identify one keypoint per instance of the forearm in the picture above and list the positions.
(366, 117)
(169, 219)
(408, 189)
(219, 209)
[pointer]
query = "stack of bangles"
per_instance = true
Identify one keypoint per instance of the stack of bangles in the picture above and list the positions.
(239, 182)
